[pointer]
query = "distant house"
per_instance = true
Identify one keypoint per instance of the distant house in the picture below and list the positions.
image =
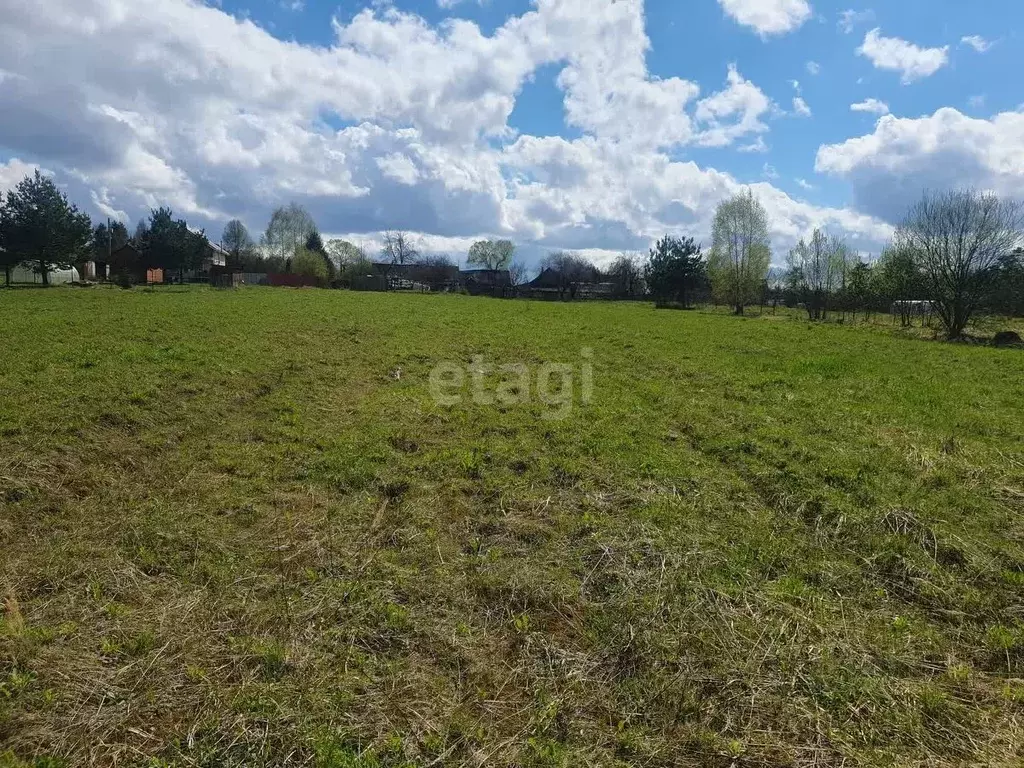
(126, 262)
(493, 282)
(583, 283)
(212, 266)
(386, 275)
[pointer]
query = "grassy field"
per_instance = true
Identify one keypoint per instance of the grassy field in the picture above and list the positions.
(237, 529)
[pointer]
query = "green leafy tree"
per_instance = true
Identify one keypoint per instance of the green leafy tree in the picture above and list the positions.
(492, 254)
(41, 228)
(310, 264)
(315, 244)
(353, 263)
(675, 269)
(860, 287)
(740, 251)
(8, 258)
(898, 277)
(343, 253)
(108, 239)
(169, 244)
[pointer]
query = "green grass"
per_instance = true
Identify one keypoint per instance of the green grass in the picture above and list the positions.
(233, 534)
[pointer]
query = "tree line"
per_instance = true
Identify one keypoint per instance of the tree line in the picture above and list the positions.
(960, 250)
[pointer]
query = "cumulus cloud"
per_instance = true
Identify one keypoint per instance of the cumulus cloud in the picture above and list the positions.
(394, 124)
(13, 171)
(735, 111)
(768, 17)
(813, 68)
(874, 106)
(896, 54)
(890, 168)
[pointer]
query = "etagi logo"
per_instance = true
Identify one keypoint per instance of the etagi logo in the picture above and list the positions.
(553, 384)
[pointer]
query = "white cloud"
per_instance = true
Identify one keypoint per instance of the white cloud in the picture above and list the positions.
(14, 170)
(977, 101)
(813, 68)
(850, 18)
(396, 123)
(874, 106)
(892, 166)
(977, 42)
(768, 17)
(893, 53)
(758, 145)
(804, 184)
(399, 167)
(769, 172)
(800, 107)
(733, 112)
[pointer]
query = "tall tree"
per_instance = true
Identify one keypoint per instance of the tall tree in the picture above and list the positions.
(315, 245)
(398, 249)
(860, 287)
(170, 245)
(8, 258)
(815, 270)
(570, 270)
(627, 274)
(740, 251)
(343, 253)
(492, 254)
(238, 243)
(675, 268)
(107, 239)
(42, 228)
(289, 228)
(1007, 296)
(957, 238)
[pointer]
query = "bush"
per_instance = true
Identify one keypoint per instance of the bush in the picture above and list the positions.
(310, 264)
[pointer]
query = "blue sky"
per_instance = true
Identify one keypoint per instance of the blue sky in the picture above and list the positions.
(596, 125)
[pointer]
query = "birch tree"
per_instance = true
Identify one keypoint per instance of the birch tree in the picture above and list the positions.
(740, 251)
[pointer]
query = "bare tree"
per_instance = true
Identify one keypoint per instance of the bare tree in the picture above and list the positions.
(398, 249)
(627, 273)
(289, 228)
(815, 270)
(239, 245)
(740, 252)
(517, 272)
(571, 270)
(957, 238)
(437, 271)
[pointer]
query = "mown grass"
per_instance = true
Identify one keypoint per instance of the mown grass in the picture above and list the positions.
(237, 530)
